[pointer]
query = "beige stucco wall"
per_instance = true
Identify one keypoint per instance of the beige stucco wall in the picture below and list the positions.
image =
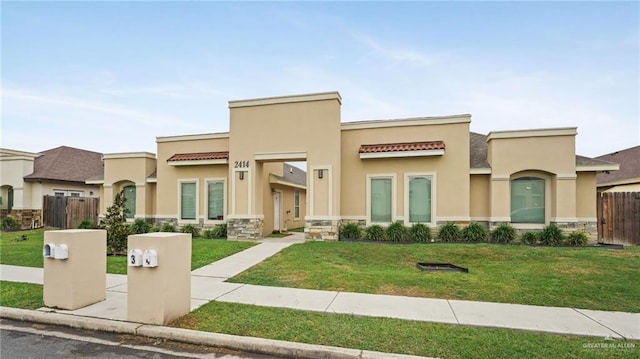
(286, 129)
(450, 171)
(12, 171)
(287, 220)
(125, 169)
(586, 196)
(167, 201)
(480, 201)
(632, 187)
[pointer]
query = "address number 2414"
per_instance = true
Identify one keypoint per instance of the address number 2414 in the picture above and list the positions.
(241, 164)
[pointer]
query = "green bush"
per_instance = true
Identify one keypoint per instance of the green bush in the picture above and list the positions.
(503, 233)
(155, 229)
(529, 237)
(220, 231)
(9, 224)
(397, 232)
(140, 226)
(86, 224)
(114, 222)
(551, 235)
(449, 232)
(190, 228)
(375, 233)
(577, 238)
(350, 231)
(168, 227)
(419, 233)
(474, 232)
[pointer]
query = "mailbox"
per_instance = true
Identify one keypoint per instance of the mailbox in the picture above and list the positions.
(49, 250)
(150, 258)
(134, 259)
(61, 252)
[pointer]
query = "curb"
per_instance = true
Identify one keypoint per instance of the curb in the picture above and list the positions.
(278, 348)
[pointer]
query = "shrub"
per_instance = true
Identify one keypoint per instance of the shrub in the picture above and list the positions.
(86, 224)
(551, 235)
(397, 232)
(577, 238)
(9, 224)
(155, 229)
(375, 233)
(168, 227)
(20, 238)
(140, 226)
(529, 237)
(220, 231)
(208, 233)
(503, 233)
(350, 231)
(449, 232)
(420, 233)
(474, 232)
(115, 223)
(190, 228)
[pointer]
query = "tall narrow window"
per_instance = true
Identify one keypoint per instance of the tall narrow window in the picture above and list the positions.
(381, 200)
(215, 200)
(527, 200)
(130, 204)
(188, 200)
(420, 199)
(296, 204)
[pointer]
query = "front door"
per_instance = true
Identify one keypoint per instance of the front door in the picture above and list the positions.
(276, 211)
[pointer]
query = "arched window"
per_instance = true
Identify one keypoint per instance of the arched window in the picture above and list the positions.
(130, 195)
(527, 200)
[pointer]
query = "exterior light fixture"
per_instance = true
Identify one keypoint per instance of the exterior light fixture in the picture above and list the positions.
(241, 175)
(320, 174)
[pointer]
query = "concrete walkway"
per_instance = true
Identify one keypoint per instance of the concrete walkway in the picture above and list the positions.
(207, 284)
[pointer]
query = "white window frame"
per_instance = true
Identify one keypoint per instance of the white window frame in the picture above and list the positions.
(296, 206)
(394, 190)
(179, 209)
(224, 200)
(407, 178)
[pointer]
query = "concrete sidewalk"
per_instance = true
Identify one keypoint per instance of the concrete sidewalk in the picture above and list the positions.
(207, 284)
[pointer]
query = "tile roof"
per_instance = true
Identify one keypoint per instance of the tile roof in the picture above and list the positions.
(200, 156)
(402, 147)
(629, 160)
(66, 164)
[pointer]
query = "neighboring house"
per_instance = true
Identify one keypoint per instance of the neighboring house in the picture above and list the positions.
(26, 177)
(627, 179)
(430, 170)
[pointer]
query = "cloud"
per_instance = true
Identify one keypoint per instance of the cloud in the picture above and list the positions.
(394, 54)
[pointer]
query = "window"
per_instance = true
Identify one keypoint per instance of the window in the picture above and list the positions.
(188, 200)
(296, 204)
(130, 204)
(381, 200)
(420, 199)
(527, 200)
(58, 194)
(215, 200)
(75, 194)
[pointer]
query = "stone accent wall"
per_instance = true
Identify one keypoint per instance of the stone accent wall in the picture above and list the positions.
(244, 228)
(159, 221)
(590, 228)
(27, 218)
(322, 229)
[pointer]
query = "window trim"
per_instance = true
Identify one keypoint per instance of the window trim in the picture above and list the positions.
(224, 200)
(394, 190)
(296, 206)
(434, 189)
(179, 214)
(547, 198)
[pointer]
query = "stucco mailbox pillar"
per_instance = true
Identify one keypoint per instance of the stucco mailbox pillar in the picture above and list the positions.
(75, 268)
(158, 277)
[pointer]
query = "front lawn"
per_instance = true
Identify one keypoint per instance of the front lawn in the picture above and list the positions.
(20, 295)
(29, 253)
(589, 278)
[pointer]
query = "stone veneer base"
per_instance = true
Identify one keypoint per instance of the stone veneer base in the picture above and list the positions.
(322, 229)
(244, 228)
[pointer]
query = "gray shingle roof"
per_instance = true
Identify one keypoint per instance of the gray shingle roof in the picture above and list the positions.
(629, 160)
(294, 174)
(66, 164)
(478, 151)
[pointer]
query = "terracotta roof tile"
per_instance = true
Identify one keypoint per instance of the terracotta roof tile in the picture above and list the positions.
(200, 156)
(403, 147)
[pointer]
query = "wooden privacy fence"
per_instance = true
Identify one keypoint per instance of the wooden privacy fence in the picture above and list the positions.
(619, 217)
(66, 212)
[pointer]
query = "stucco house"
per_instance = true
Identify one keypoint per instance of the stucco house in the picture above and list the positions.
(26, 177)
(430, 170)
(627, 179)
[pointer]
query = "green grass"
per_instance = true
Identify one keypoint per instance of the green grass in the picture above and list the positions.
(278, 235)
(297, 230)
(393, 335)
(29, 253)
(20, 295)
(587, 278)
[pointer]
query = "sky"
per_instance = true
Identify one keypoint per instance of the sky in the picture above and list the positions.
(112, 76)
